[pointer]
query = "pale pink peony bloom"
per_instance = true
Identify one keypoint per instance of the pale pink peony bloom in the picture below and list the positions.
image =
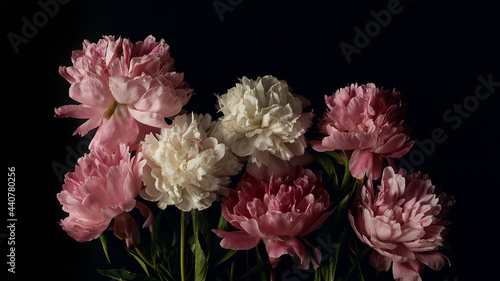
(263, 121)
(403, 222)
(124, 89)
(278, 213)
(368, 122)
(103, 187)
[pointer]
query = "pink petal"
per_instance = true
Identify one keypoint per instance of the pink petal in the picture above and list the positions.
(339, 140)
(363, 161)
(236, 240)
(318, 223)
(366, 140)
(88, 125)
(409, 271)
(125, 227)
(251, 226)
(115, 183)
(148, 118)
(380, 262)
(147, 64)
(391, 145)
(289, 245)
(69, 74)
(128, 90)
(120, 128)
(81, 111)
(91, 92)
(146, 213)
(434, 260)
(314, 258)
(159, 99)
(318, 146)
(278, 224)
(72, 226)
(400, 152)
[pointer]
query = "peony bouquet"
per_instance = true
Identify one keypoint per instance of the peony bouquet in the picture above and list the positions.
(255, 193)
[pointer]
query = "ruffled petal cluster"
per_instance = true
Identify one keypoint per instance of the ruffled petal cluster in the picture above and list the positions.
(185, 166)
(103, 187)
(124, 89)
(368, 122)
(403, 222)
(277, 212)
(264, 121)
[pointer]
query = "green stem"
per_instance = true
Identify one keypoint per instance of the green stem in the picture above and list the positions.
(143, 257)
(231, 272)
(183, 230)
(347, 172)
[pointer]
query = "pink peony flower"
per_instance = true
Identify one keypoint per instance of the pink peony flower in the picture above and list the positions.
(124, 89)
(278, 213)
(403, 222)
(367, 121)
(103, 187)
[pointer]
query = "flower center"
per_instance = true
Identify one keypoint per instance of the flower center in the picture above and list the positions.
(110, 110)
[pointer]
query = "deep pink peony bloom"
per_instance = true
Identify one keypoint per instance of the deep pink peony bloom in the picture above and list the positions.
(367, 121)
(102, 187)
(403, 222)
(124, 89)
(277, 213)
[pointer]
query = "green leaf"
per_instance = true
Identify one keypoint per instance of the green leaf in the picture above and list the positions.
(228, 254)
(257, 268)
(336, 156)
(164, 271)
(121, 274)
(200, 260)
(139, 260)
(154, 236)
(325, 162)
(202, 229)
(222, 225)
(334, 259)
(103, 239)
(259, 259)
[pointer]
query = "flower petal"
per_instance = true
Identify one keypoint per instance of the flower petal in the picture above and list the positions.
(128, 90)
(148, 118)
(236, 240)
(125, 227)
(409, 271)
(363, 161)
(120, 128)
(146, 213)
(435, 260)
(91, 92)
(81, 111)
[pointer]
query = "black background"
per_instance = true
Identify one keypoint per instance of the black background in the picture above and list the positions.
(432, 52)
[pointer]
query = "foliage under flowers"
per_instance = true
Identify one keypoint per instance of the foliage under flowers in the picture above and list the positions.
(253, 194)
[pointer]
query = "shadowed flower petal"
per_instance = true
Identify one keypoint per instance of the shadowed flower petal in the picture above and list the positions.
(103, 187)
(402, 222)
(277, 212)
(367, 120)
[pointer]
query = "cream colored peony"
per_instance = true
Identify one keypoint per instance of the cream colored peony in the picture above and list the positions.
(264, 121)
(185, 166)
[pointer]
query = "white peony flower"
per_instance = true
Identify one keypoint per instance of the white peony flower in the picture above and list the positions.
(185, 166)
(264, 121)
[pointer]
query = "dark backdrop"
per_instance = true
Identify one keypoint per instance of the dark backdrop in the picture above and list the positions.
(433, 52)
